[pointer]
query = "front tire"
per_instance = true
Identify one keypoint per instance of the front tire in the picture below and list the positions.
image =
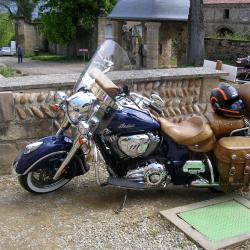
(29, 183)
(40, 179)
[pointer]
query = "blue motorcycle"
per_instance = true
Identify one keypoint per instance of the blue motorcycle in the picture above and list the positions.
(126, 131)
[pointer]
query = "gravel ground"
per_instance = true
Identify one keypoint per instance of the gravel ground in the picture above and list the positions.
(82, 216)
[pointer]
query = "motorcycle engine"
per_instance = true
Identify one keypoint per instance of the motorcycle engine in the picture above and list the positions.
(153, 174)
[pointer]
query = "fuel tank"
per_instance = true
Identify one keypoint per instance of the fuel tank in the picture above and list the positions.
(129, 120)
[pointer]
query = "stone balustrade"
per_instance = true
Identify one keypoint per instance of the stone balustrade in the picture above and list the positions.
(25, 102)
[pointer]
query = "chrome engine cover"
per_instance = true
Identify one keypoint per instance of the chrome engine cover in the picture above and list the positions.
(153, 174)
(137, 145)
(134, 145)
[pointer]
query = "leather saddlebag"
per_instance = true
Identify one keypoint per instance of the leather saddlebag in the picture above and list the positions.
(233, 155)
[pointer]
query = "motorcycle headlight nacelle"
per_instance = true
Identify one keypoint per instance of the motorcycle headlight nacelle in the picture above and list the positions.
(80, 106)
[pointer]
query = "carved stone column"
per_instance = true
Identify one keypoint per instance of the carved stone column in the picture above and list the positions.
(152, 44)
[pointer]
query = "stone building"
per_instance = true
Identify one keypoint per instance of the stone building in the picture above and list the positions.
(151, 31)
(27, 35)
(223, 16)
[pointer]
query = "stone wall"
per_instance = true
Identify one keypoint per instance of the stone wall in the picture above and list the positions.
(218, 49)
(238, 21)
(25, 102)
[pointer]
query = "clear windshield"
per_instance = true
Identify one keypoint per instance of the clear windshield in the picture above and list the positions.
(110, 56)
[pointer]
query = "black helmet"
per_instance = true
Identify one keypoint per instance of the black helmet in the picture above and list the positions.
(225, 101)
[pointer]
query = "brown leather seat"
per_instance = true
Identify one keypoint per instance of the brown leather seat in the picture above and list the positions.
(244, 93)
(189, 132)
(104, 82)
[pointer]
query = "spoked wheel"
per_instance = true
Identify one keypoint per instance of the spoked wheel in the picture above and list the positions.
(41, 181)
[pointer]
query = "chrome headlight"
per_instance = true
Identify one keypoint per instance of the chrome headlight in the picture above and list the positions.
(80, 106)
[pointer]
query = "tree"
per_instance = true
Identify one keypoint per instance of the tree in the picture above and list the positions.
(19, 8)
(6, 29)
(62, 20)
(196, 33)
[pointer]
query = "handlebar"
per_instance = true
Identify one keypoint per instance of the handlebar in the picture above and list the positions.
(156, 109)
(147, 102)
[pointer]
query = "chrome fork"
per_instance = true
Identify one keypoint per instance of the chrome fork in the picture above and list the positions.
(76, 145)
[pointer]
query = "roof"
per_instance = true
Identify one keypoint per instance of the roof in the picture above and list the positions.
(155, 10)
(225, 1)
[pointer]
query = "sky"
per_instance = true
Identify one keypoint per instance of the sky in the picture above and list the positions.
(13, 7)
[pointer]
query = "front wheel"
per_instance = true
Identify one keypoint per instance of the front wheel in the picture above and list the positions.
(41, 181)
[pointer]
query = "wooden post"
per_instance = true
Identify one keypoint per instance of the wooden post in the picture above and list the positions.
(218, 65)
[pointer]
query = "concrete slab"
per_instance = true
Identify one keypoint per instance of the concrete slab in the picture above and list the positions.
(175, 216)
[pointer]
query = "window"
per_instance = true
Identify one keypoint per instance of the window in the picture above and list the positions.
(226, 14)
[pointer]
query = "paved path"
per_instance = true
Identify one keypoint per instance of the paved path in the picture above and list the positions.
(33, 67)
(81, 216)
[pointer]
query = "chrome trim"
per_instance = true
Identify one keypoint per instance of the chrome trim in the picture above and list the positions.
(95, 156)
(210, 168)
(42, 159)
(70, 155)
(64, 124)
(97, 160)
(32, 147)
(201, 184)
(238, 130)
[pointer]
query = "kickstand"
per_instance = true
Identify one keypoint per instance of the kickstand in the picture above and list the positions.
(119, 210)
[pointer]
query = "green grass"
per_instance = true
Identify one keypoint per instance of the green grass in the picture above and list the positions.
(237, 36)
(7, 72)
(173, 61)
(48, 57)
(229, 62)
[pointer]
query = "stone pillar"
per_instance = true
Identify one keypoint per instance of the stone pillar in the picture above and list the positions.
(102, 21)
(152, 44)
(117, 31)
(6, 107)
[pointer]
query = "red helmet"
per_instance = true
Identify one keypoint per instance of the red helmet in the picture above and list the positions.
(225, 101)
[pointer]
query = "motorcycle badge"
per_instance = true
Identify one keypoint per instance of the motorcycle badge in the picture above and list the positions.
(123, 125)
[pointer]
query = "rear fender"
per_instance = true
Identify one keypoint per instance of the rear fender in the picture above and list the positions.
(51, 145)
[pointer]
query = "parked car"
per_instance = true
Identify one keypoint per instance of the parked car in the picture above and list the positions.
(6, 51)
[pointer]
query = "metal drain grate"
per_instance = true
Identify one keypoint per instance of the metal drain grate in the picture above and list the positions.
(215, 223)
(219, 221)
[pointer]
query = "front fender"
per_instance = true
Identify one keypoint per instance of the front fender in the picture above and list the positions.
(24, 162)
